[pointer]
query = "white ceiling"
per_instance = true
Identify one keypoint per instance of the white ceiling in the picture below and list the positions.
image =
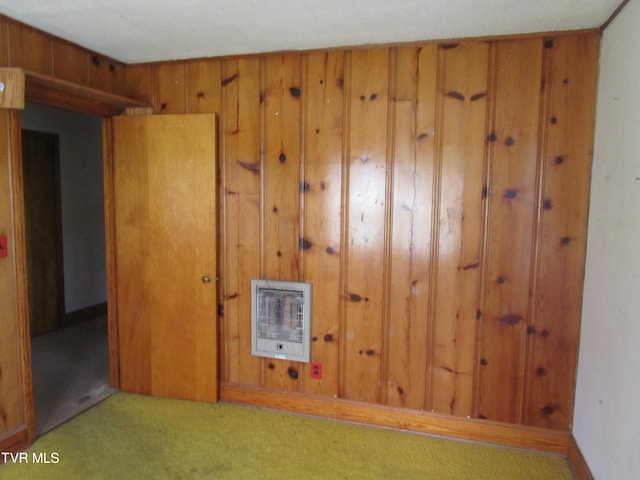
(149, 30)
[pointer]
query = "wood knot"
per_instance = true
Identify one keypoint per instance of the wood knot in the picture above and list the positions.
(293, 373)
(228, 80)
(304, 244)
(455, 95)
(295, 92)
(511, 319)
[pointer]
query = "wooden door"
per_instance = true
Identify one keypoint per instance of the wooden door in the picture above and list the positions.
(165, 236)
(41, 174)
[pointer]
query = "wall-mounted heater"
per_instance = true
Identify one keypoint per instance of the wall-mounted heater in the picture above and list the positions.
(281, 319)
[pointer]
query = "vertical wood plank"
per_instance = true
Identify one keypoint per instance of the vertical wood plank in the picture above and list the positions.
(282, 177)
(463, 130)
(5, 42)
(31, 49)
(110, 250)
(204, 88)
(106, 74)
(367, 196)
(171, 87)
(322, 211)
(570, 82)
(140, 84)
(412, 209)
(512, 146)
(241, 214)
(70, 63)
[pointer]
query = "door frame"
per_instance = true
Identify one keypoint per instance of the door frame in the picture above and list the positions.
(68, 96)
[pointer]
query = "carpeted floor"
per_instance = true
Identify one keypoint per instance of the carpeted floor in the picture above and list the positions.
(136, 437)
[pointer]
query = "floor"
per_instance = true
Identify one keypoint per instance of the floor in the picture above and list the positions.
(70, 372)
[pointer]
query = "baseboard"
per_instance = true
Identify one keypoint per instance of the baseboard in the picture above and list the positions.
(545, 440)
(14, 441)
(87, 313)
(577, 461)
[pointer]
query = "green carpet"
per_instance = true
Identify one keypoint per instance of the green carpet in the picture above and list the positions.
(137, 437)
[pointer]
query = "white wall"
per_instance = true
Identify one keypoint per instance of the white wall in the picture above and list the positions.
(82, 200)
(607, 411)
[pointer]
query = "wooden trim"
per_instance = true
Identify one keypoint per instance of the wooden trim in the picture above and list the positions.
(577, 461)
(22, 286)
(87, 313)
(79, 98)
(550, 441)
(615, 13)
(15, 441)
(110, 250)
(12, 92)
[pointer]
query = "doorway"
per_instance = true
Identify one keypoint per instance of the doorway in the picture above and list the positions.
(68, 318)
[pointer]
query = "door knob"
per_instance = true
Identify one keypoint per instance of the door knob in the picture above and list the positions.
(206, 279)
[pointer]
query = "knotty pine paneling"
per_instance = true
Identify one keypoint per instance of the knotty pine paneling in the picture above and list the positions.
(436, 197)
(570, 78)
(31, 49)
(366, 233)
(511, 196)
(241, 161)
(170, 81)
(462, 132)
(70, 63)
(414, 118)
(106, 74)
(4, 42)
(204, 89)
(283, 245)
(323, 176)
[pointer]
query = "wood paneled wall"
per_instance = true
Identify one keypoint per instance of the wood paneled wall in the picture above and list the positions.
(33, 50)
(436, 196)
